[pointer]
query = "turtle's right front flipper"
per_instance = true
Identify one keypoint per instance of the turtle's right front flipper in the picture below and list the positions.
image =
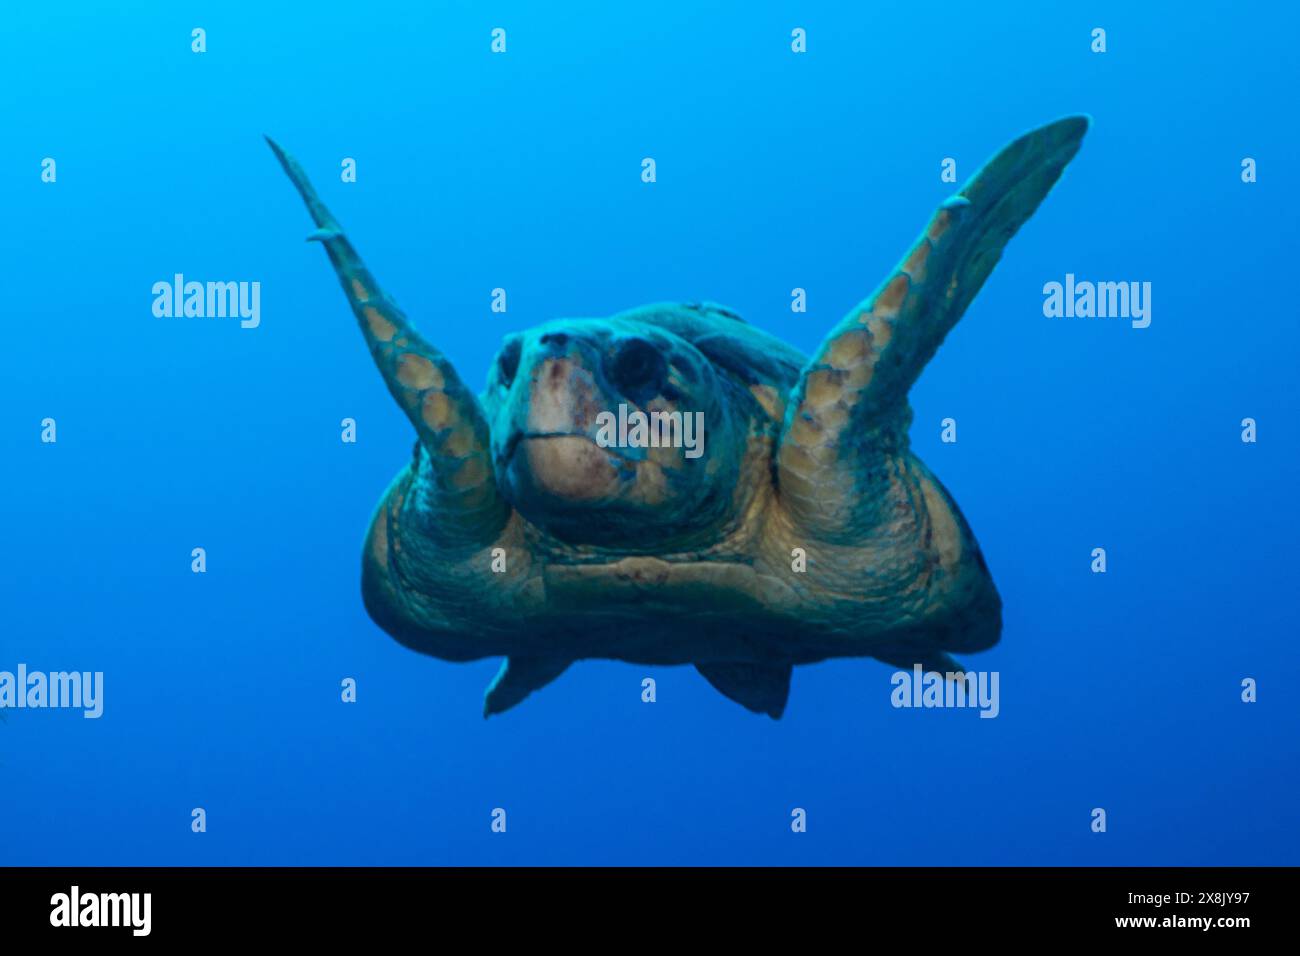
(462, 492)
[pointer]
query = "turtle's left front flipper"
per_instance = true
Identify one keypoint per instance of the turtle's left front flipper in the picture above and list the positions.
(849, 411)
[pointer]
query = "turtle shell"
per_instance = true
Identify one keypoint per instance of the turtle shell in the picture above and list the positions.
(748, 354)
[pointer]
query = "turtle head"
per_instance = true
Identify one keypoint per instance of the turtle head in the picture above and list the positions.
(615, 432)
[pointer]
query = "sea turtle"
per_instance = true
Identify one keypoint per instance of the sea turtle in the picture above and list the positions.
(805, 529)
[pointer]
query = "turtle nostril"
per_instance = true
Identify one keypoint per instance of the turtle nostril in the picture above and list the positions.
(508, 361)
(638, 367)
(554, 338)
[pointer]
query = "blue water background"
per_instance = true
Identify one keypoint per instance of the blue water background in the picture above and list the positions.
(522, 171)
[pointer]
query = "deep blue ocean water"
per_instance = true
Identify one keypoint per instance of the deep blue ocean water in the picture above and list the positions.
(522, 171)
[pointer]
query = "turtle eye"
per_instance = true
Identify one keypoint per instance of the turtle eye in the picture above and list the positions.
(508, 362)
(637, 367)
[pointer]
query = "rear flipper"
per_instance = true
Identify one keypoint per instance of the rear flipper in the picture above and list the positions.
(762, 688)
(519, 677)
(928, 659)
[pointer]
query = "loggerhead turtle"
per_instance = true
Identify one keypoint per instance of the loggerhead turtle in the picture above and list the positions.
(517, 530)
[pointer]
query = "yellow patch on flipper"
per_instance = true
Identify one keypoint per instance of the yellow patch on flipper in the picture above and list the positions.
(771, 402)
(915, 265)
(891, 299)
(849, 349)
(836, 415)
(938, 225)
(806, 432)
(380, 327)
(437, 411)
(824, 386)
(882, 330)
(417, 372)
(859, 376)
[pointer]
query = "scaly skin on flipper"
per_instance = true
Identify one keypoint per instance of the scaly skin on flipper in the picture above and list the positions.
(445, 414)
(515, 532)
(849, 415)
